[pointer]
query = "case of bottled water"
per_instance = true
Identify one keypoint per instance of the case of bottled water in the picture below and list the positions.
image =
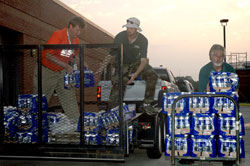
(73, 80)
(227, 147)
(103, 127)
(21, 122)
(204, 124)
(29, 102)
(182, 124)
(181, 145)
(91, 121)
(223, 82)
(224, 105)
(112, 137)
(227, 125)
(52, 118)
(88, 78)
(202, 146)
(199, 104)
(168, 100)
(92, 138)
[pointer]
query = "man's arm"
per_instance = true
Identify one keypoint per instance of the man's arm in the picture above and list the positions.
(56, 38)
(54, 60)
(144, 62)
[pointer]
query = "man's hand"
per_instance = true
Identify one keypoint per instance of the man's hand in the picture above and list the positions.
(132, 78)
(69, 69)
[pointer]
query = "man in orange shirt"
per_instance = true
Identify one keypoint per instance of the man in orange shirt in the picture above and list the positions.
(56, 62)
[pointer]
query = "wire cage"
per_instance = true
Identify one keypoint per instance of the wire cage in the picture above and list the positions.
(47, 110)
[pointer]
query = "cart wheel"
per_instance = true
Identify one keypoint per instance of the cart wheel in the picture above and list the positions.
(228, 163)
(156, 152)
(164, 132)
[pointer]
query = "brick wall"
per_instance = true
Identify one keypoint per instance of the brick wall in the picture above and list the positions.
(37, 20)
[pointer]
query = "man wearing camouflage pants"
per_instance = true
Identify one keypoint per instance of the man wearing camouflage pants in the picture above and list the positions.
(135, 63)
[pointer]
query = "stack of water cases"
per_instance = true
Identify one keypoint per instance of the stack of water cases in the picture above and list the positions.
(223, 82)
(21, 122)
(73, 80)
(102, 128)
(182, 125)
(227, 83)
(205, 126)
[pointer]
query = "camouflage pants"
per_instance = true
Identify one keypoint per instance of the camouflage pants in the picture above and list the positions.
(148, 74)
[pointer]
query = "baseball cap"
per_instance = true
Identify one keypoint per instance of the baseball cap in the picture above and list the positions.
(133, 23)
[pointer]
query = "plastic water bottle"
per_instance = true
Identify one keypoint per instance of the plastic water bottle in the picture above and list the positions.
(66, 81)
(196, 122)
(186, 124)
(170, 101)
(185, 143)
(220, 102)
(207, 123)
(201, 122)
(77, 78)
(195, 102)
(177, 123)
(181, 122)
(220, 81)
(213, 81)
(225, 103)
(130, 133)
(232, 124)
(228, 124)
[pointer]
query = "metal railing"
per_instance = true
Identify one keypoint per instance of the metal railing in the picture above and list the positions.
(238, 60)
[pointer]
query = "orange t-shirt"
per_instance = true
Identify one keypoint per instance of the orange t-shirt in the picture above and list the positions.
(65, 55)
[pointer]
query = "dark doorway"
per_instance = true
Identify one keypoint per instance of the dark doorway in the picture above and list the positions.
(9, 65)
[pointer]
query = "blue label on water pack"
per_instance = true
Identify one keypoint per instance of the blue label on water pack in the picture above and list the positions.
(227, 125)
(204, 124)
(181, 145)
(223, 82)
(103, 127)
(227, 147)
(168, 100)
(21, 122)
(73, 80)
(199, 104)
(224, 105)
(182, 124)
(202, 146)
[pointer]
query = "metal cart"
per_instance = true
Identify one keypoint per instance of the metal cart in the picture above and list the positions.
(175, 159)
